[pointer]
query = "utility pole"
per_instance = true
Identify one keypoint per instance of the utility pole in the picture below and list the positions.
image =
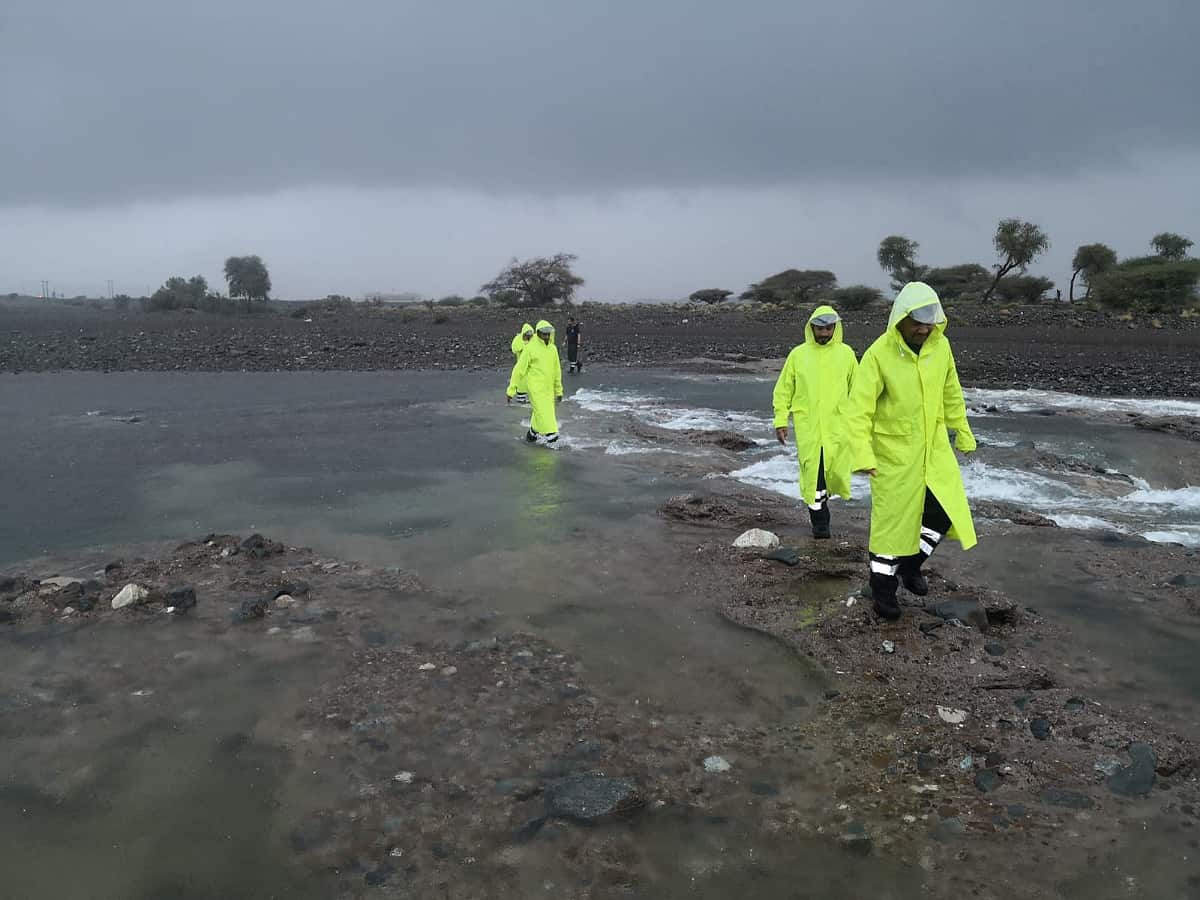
(110, 289)
(45, 289)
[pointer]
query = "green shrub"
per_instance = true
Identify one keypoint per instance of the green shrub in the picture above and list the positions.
(1149, 284)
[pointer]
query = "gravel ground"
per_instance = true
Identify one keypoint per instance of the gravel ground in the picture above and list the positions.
(1053, 348)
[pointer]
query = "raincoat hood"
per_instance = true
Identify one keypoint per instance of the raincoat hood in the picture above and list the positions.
(526, 328)
(810, 338)
(543, 325)
(915, 295)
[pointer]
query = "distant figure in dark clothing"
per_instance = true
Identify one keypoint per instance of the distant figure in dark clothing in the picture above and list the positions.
(576, 364)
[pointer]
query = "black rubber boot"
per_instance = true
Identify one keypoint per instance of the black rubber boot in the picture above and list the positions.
(910, 575)
(883, 597)
(820, 522)
(531, 436)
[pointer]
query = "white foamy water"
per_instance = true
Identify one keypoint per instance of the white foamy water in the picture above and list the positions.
(663, 413)
(1084, 522)
(1028, 401)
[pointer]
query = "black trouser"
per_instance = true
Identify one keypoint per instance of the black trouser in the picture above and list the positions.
(886, 569)
(818, 510)
(573, 355)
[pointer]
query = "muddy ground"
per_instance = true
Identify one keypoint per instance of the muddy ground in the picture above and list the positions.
(1046, 347)
(455, 761)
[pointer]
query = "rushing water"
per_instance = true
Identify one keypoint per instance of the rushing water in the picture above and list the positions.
(427, 471)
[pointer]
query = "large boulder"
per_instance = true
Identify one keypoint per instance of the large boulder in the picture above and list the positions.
(589, 798)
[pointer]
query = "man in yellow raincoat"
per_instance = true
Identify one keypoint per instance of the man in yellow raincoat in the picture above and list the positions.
(814, 382)
(539, 370)
(519, 343)
(905, 401)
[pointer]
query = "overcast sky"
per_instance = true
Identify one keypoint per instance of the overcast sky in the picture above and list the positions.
(386, 145)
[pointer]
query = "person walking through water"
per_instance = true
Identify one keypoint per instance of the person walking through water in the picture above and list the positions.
(539, 369)
(905, 400)
(814, 382)
(575, 364)
(519, 343)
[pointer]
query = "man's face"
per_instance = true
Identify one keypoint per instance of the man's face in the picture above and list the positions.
(913, 332)
(526, 336)
(545, 336)
(823, 334)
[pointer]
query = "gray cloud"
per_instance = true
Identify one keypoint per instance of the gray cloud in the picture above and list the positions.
(116, 102)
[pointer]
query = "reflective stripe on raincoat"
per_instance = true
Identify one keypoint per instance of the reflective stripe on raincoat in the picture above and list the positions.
(814, 382)
(539, 370)
(897, 419)
(518, 345)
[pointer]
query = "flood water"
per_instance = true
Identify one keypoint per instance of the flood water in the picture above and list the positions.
(427, 471)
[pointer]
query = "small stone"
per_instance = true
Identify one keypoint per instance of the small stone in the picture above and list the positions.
(926, 763)
(994, 648)
(763, 789)
(403, 777)
(450, 670)
(889, 647)
(952, 716)
(757, 539)
(967, 763)
(251, 610)
(588, 798)
(180, 596)
(376, 877)
(923, 788)
(1074, 704)
(283, 600)
(129, 595)
(426, 667)
(716, 764)
(965, 610)
(1135, 780)
(1107, 767)
(987, 780)
(1084, 732)
(1186, 580)
(1040, 729)
(948, 828)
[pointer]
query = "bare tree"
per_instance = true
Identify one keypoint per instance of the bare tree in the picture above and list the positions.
(537, 282)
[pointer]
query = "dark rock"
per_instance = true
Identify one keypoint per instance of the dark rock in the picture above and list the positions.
(1040, 729)
(987, 780)
(1074, 704)
(1135, 780)
(832, 695)
(787, 555)
(68, 595)
(295, 588)
(966, 610)
(996, 759)
(588, 798)
(926, 763)
(1020, 703)
(948, 829)
(258, 547)
(379, 876)
(1084, 732)
(764, 789)
(1006, 725)
(117, 565)
(440, 851)
(858, 844)
(1061, 797)
(928, 628)
(994, 648)
(251, 610)
(180, 596)
(1186, 580)
(1015, 811)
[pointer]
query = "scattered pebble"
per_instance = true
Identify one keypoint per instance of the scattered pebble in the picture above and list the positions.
(403, 777)
(426, 667)
(717, 764)
(450, 670)
(952, 716)
(889, 647)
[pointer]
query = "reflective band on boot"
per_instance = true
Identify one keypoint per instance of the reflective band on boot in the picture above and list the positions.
(819, 501)
(884, 565)
(929, 541)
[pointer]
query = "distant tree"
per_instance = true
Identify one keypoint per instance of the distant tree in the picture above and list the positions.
(452, 300)
(248, 278)
(179, 293)
(1023, 288)
(478, 301)
(1090, 260)
(1018, 244)
(898, 257)
(1170, 246)
(791, 287)
(537, 282)
(1149, 284)
(710, 295)
(853, 296)
(958, 282)
(121, 302)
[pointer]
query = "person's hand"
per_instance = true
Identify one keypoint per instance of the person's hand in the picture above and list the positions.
(781, 434)
(558, 399)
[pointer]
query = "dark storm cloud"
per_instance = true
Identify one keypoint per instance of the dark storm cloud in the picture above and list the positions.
(131, 99)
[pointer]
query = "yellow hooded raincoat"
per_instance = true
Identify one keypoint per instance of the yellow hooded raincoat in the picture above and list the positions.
(518, 345)
(539, 370)
(814, 382)
(897, 419)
